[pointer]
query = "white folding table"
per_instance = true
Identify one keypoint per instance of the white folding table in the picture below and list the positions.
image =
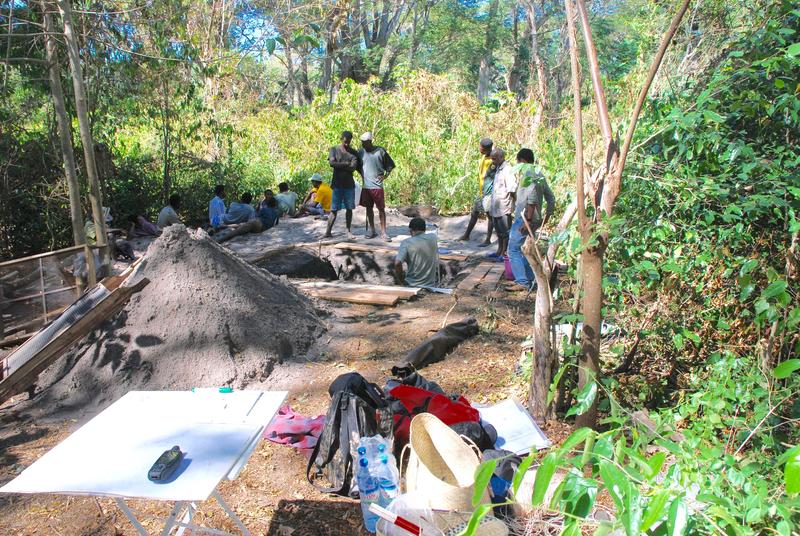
(111, 454)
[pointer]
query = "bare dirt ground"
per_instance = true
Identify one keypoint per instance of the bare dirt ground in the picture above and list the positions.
(271, 495)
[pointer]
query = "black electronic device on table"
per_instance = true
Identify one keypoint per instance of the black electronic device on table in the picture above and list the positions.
(165, 464)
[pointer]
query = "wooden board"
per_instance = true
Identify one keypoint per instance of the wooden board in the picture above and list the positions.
(351, 246)
(493, 276)
(476, 276)
(26, 373)
(402, 292)
(350, 296)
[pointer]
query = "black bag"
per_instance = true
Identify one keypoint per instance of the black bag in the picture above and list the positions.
(350, 417)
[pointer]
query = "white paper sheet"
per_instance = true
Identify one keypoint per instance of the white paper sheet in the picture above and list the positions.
(517, 432)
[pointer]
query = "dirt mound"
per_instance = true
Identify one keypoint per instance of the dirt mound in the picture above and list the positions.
(207, 318)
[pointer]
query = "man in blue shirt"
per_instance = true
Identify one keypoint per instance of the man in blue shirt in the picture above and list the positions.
(216, 208)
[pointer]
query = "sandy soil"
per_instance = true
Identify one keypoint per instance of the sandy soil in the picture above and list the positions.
(272, 495)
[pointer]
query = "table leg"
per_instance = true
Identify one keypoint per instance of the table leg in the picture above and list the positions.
(231, 513)
(132, 518)
(173, 516)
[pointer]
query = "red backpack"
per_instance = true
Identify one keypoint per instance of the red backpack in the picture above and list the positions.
(408, 401)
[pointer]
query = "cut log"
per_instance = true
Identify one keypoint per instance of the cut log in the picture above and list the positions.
(352, 296)
(385, 289)
(348, 246)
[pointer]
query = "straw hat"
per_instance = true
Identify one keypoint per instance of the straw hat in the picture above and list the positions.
(441, 473)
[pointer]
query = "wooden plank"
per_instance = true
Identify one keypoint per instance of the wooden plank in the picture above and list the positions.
(397, 290)
(15, 340)
(24, 376)
(350, 246)
(73, 249)
(475, 277)
(493, 276)
(364, 298)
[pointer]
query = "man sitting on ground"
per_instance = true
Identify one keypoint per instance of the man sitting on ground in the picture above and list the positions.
(169, 214)
(268, 194)
(287, 200)
(241, 211)
(216, 208)
(318, 200)
(421, 254)
(141, 227)
(268, 214)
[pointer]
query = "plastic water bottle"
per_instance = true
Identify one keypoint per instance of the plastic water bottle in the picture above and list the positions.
(388, 480)
(369, 492)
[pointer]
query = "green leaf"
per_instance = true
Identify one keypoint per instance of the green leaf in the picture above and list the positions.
(678, 518)
(575, 438)
(551, 394)
(584, 399)
(479, 513)
(793, 50)
(544, 474)
(791, 474)
(482, 476)
(775, 288)
(713, 116)
(270, 43)
(573, 528)
(521, 471)
(655, 509)
(785, 369)
(656, 462)
(748, 266)
(616, 482)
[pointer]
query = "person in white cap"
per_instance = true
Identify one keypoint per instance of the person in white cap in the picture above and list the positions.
(318, 200)
(376, 164)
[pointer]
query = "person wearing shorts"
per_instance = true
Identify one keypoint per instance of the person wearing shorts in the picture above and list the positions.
(344, 161)
(486, 171)
(376, 164)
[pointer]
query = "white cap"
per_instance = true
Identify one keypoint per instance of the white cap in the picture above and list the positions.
(367, 136)
(316, 177)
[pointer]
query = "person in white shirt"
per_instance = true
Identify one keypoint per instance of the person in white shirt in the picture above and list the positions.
(501, 207)
(287, 200)
(169, 214)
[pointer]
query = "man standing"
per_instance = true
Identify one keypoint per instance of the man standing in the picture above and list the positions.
(533, 189)
(287, 200)
(501, 206)
(169, 214)
(486, 174)
(421, 254)
(344, 161)
(376, 164)
(216, 208)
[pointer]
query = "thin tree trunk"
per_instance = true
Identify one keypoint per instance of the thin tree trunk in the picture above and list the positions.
(487, 60)
(538, 90)
(95, 195)
(166, 184)
(64, 134)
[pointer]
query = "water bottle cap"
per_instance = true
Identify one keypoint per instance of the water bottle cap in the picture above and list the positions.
(381, 447)
(363, 462)
(362, 450)
(384, 459)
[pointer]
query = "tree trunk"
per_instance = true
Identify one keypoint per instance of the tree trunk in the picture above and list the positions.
(64, 133)
(538, 89)
(487, 60)
(542, 365)
(166, 184)
(95, 195)
(589, 360)
(515, 72)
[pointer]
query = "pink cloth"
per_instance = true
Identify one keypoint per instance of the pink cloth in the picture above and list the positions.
(295, 430)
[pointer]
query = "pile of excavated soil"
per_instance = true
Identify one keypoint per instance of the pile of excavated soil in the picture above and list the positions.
(206, 319)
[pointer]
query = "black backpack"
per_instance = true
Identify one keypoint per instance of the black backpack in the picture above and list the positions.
(358, 409)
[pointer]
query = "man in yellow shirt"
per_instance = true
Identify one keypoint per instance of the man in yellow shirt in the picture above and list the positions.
(486, 172)
(318, 200)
